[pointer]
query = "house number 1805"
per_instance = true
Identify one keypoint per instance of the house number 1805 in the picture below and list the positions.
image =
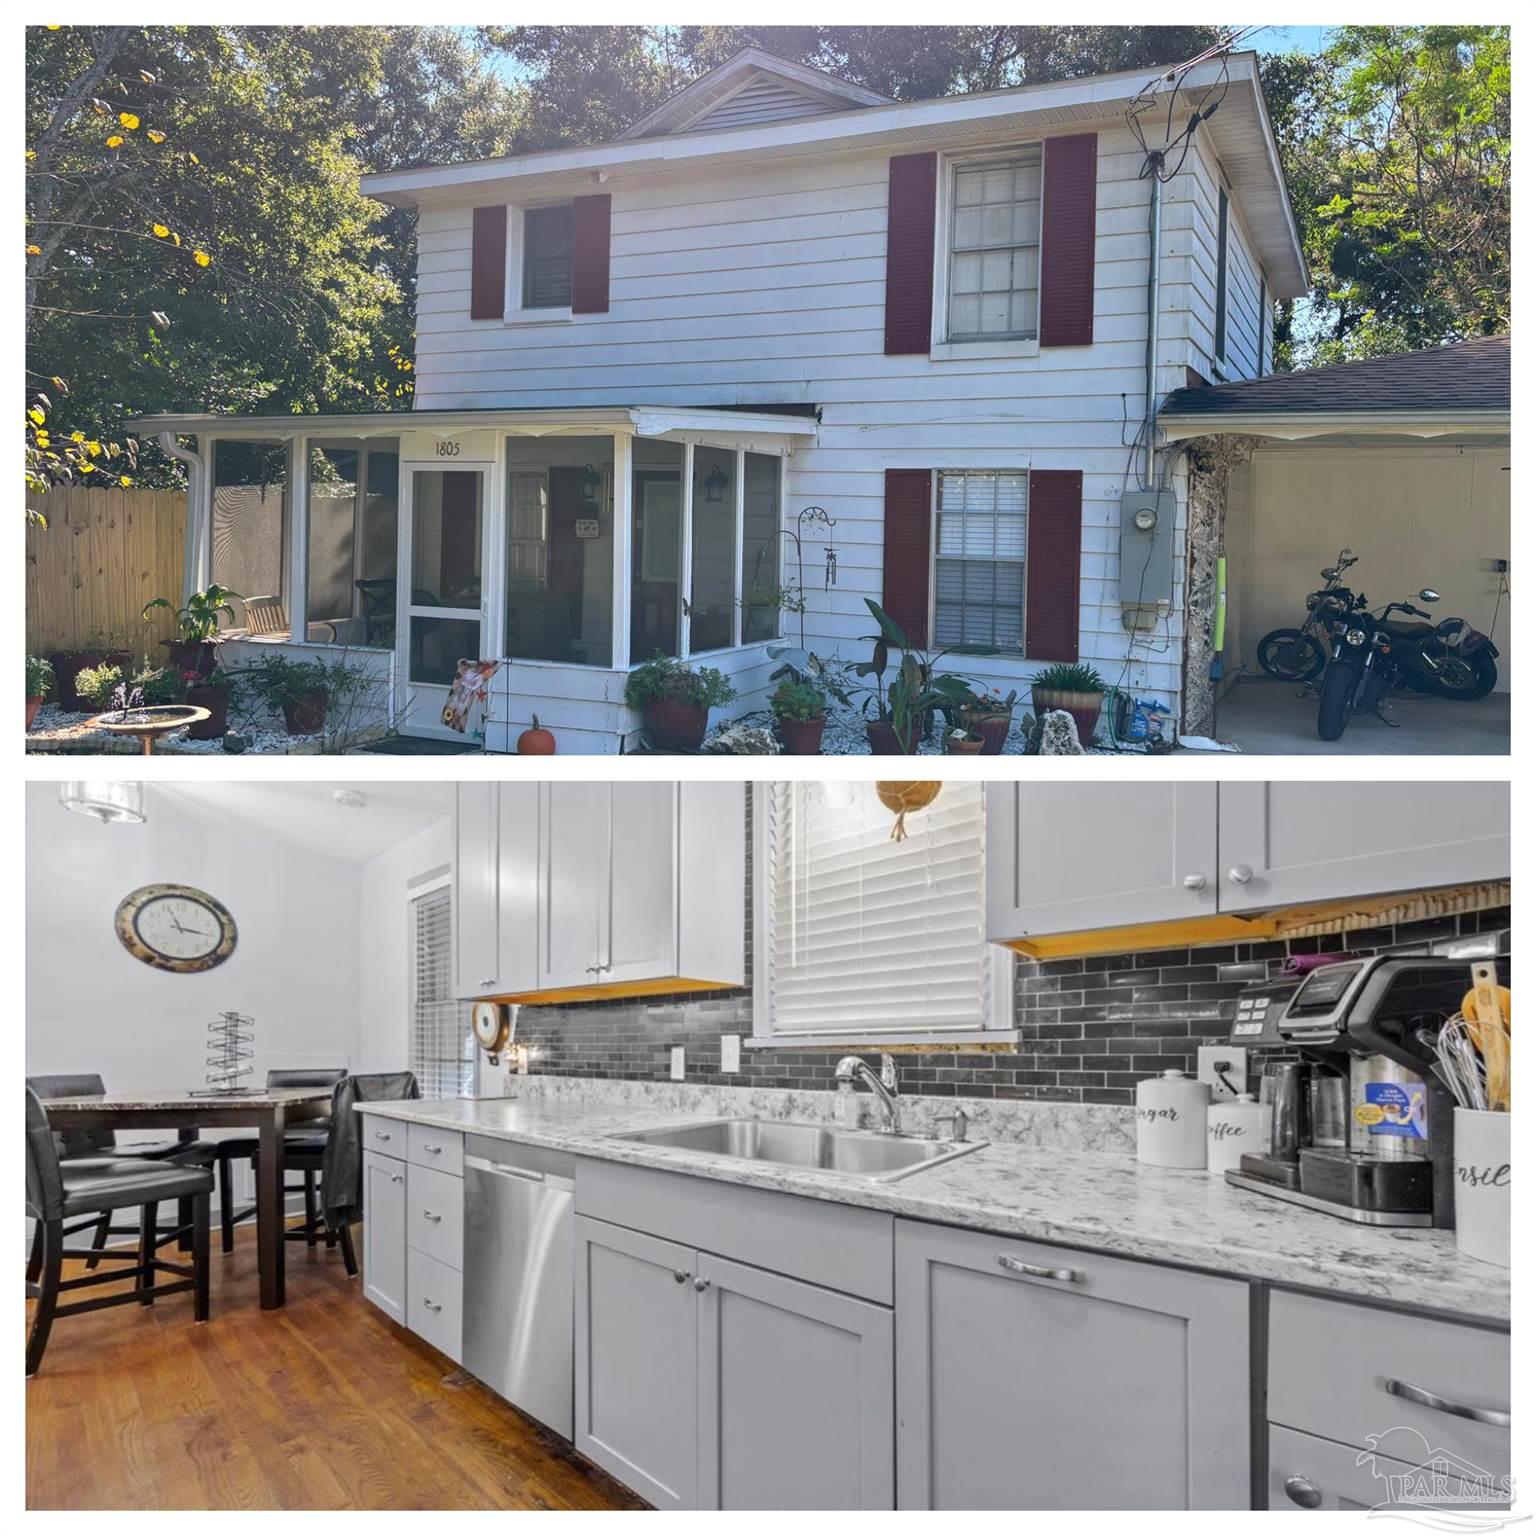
(447, 450)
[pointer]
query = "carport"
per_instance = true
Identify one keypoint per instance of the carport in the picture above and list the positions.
(1403, 459)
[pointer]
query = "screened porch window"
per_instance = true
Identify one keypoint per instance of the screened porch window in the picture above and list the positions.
(994, 250)
(712, 602)
(656, 562)
(761, 549)
(354, 493)
(250, 529)
(983, 525)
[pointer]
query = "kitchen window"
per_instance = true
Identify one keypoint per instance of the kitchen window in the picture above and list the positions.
(442, 1043)
(994, 249)
(859, 937)
(980, 542)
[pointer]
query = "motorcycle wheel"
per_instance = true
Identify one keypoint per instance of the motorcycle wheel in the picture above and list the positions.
(1290, 655)
(1333, 704)
(1476, 677)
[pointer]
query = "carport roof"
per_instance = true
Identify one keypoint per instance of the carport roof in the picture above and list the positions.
(1460, 387)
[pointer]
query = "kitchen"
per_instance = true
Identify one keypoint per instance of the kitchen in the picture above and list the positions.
(818, 1144)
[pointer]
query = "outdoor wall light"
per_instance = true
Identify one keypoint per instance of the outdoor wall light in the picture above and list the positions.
(715, 483)
(105, 801)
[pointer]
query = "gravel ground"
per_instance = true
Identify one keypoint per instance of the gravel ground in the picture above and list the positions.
(58, 728)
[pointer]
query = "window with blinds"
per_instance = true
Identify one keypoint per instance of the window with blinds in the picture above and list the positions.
(865, 937)
(547, 247)
(442, 1044)
(983, 525)
(994, 250)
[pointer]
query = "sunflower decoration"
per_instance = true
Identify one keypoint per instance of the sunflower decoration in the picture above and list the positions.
(901, 798)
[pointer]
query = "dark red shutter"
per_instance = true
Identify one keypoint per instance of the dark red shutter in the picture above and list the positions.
(591, 222)
(1066, 240)
(909, 253)
(1053, 573)
(908, 549)
(488, 264)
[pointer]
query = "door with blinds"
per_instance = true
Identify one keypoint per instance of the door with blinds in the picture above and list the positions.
(868, 938)
(442, 1045)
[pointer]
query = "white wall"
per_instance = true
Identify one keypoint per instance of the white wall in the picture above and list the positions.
(91, 1007)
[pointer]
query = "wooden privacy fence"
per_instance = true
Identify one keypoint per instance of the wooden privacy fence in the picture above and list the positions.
(103, 555)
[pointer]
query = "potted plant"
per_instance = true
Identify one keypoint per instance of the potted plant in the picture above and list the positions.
(98, 650)
(800, 716)
(210, 693)
(675, 700)
(989, 715)
(300, 691)
(1074, 687)
(39, 681)
(96, 688)
(960, 742)
(198, 627)
(762, 600)
(900, 712)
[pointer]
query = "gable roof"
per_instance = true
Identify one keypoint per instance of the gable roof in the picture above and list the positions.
(1461, 379)
(752, 86)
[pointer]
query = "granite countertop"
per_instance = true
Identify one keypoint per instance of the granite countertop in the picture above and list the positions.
(1101, 1200)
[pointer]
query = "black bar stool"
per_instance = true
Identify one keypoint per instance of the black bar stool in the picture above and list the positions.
(55, 1192)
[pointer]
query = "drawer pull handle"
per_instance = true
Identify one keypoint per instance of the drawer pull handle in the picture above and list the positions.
(427, 1146)
(430, 1305)
(431, 1215)
(1299, 1491)
(381, 1135)
(1038, 1271)
(397, 1178)
(487, 981)
(1498, 1417)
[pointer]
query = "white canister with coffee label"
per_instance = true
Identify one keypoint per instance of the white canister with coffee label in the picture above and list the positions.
(1170, 1120)
(1231, 1128)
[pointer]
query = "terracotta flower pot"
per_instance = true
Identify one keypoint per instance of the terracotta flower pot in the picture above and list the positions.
(675, 726)
(993, 730)
(33, 705)
(884, 741)
(216, 702)
(965, 746)
(305, 716)
(1083, 707)
(802, 738)
(191, 656)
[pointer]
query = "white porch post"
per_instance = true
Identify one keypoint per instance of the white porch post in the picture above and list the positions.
(623, 523)
(298, 540)
(685, 558)
(199, 472)
(739, 544)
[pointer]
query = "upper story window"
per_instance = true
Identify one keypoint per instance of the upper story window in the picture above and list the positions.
(546, 257)
(983, 518)
(994, 249)
(1219, 342)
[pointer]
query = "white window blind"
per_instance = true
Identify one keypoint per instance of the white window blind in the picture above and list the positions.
(863, 936)
(994, 250)
(983, 531)
(442, 1045)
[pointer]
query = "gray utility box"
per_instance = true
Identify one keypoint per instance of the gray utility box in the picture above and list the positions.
(1146, 555)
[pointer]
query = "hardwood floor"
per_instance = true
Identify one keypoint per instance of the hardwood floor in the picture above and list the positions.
(323, 1405)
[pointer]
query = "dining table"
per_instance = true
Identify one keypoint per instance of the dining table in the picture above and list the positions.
(268, 1112)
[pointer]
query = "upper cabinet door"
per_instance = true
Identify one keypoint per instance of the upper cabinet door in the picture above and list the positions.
(475, 958)
(1066, 857)
(576, 869)
(639, 915)
(1291, 842)
(517, 887)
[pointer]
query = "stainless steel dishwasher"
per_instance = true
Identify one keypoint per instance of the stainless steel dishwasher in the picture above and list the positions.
(519, 1208)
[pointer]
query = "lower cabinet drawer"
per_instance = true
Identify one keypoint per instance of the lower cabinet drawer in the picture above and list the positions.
(430, 1147)
(1346, 1372)
(384, 1136)
(434, 1215)
(1306, 1472)
(434, 1306)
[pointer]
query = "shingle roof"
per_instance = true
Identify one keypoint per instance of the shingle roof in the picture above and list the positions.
(1464, 376)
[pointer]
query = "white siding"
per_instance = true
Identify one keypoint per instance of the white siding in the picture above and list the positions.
(1243, 277)
(768, 289)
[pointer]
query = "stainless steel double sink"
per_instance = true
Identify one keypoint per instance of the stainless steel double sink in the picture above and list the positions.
(864, 1154)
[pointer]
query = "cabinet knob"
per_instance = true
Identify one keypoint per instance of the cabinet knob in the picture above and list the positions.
(397, 1178)
(679, 1275)
(1300, 1491)
(1240, 874)
(701, 1284)
(1194, 882)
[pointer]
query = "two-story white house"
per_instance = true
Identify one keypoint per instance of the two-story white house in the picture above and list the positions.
(784, 338)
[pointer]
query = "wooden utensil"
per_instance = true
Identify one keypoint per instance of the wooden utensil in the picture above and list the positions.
(1487, 1011)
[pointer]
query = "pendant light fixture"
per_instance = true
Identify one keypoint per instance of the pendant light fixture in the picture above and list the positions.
(105, 800)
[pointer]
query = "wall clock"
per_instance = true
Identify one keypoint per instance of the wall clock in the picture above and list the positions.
(493, 1029)
(175, 928)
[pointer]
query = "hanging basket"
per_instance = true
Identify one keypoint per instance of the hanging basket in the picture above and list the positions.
(901, 797)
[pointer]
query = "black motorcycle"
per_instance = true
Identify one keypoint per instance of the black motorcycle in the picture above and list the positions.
(1298, 655)
(1374, 653)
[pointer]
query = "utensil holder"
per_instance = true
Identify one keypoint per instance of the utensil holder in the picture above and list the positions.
(1481, 1155)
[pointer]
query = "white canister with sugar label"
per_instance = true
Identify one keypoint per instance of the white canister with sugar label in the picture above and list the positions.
(1170, 1120)
(1231, 1128)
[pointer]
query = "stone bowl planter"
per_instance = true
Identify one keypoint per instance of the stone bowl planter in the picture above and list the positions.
(674, 726)
(191, 656)
(801, 738)
(1083, 707)
(216, 702)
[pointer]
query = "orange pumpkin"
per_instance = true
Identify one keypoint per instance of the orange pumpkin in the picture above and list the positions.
(536, 741)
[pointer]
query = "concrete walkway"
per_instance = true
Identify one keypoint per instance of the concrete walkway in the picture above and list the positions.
(1264, 716)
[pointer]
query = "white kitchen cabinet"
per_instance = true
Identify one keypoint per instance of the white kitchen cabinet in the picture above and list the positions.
(1035, 1377)
(1290, 842)
(384, 1245)
(1064, 857)
(495, 888)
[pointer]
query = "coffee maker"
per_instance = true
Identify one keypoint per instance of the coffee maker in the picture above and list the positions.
(1355, 1121)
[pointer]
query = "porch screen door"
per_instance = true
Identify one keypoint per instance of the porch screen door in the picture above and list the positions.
(442, 567)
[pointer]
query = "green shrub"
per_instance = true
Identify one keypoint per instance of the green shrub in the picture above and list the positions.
(1068, 677)
(39, 677)
(157, 685)
(798, 701)
(664, 677)
(98, 685)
